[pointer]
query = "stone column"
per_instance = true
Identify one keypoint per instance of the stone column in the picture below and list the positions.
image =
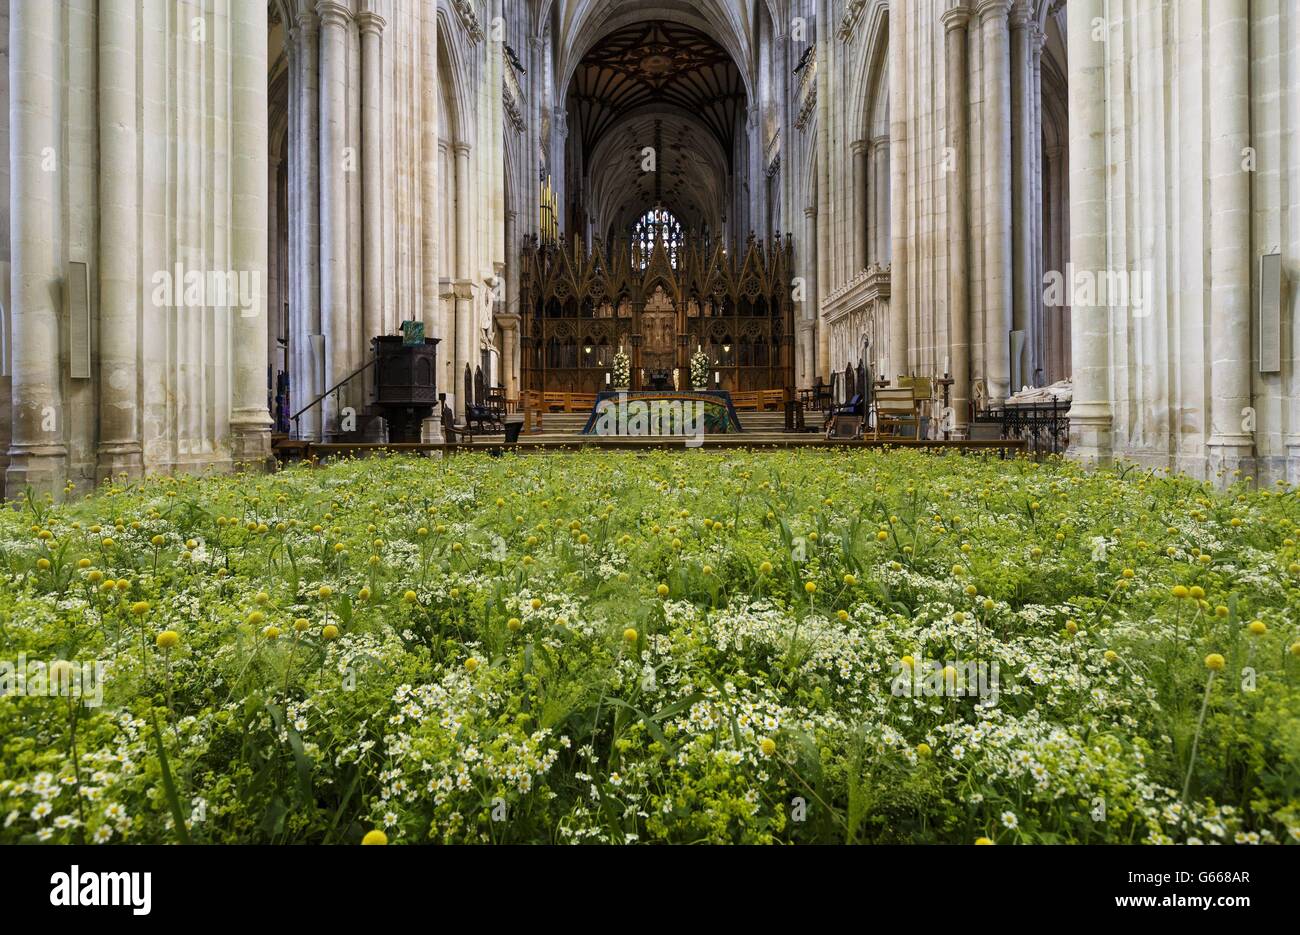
(899, 246)
(824, 195)
(119, 206)
(250, 418)
(998, 291)
(1090, 415)
(432, 239)
(334, 18)
(465, 317)
(1023, 138)
(372, 165)
(509, 344)
(861, 173)
(308, 371)
(1231, 445)
(880, 182)
(955, 22)
(37, 452)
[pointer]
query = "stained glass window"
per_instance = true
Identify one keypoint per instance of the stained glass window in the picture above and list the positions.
(658, 226)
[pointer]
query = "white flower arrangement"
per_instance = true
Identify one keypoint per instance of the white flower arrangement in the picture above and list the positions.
(621, 372)
(700, 365)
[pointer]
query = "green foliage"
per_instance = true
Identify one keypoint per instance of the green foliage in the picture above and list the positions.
(848, 647)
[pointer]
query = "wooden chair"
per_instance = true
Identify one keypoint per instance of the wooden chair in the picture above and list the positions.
(896, 412)
(449, 430)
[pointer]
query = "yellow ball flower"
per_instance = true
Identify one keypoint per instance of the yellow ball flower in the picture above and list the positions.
(256, 617)
(923, 749)
(843, 616)
(1214, 662)
(662, 590)
(325, 591)
(1258, 627)
(140, 608)
(535, 604)
(409, 597)
(43, 564)
(375, 837)
(1112, 656)
(471, 664)
(514, 624)
(1180, 591)
(850, 580)
(810, 587)
(95, 576)
(271, 633)
(983, 840)
(329, 632)
(630, 635)
(83, 563)
(767, 745)
(167, 639)
(765, 568)
(1197, 592)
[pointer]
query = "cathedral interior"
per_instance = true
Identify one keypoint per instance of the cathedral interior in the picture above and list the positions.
(211, 209)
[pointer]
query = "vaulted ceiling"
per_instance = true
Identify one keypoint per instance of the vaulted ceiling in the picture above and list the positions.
(657, 66)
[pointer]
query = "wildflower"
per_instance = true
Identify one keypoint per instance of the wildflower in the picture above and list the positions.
(1257, 628)
(471, 664)
(768, 746)
(923, 749)
(765, 568)
(140, 608)
(983, 840)
(375, 836)
(810, 587)
(1214, 662)
(329, 632)
(1010, 821)
(167, 639)
(662, 590)
(513, 624)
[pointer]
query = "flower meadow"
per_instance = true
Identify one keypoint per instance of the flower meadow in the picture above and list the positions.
(801, 647)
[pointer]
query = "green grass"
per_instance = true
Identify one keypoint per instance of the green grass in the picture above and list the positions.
(671, 646)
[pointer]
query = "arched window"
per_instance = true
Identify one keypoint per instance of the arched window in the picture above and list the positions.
(658, 225)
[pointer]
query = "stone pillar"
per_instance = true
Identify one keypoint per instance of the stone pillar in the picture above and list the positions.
(955, 22)
(1090, 415)
(465, 317)
(37, 451)
(119, 267)
(1231, 446)
(998, 291)
(509, 344)
(881, 206)
(900, 245)
(430, 304)
(824, 195)
(308, 368)
(334, 18)
(372, 165)
(861, 173)
(1024, 135)
(250, 418)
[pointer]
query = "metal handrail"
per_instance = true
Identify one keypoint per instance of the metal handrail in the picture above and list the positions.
(329, 392)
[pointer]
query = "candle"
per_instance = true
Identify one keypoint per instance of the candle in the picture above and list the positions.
(945, 366)
(607, 379)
